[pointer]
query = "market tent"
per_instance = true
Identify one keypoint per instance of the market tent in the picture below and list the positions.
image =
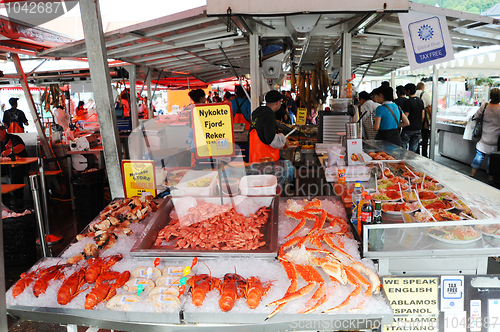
(471, 63)
(189, 43)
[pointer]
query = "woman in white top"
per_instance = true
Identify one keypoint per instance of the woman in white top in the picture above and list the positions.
(491, 129)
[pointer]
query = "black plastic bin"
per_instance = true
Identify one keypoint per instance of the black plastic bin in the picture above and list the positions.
(88, 189)
(19, 240)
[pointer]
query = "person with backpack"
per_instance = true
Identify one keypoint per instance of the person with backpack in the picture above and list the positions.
(388, 117)
(14, 119)
(426, 123)
(242, 109)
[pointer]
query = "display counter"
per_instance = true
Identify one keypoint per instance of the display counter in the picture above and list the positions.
(361, 311)
(450, 125)
(412, 248)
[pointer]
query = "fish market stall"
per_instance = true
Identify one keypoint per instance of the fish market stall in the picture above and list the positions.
(100, 281)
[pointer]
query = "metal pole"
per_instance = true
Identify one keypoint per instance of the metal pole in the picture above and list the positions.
(220, 182)
(134, 112)
(44, 194)
(101, 80)
(3, 306)
(70, 175)
(154, 91)
(31, 105)
(234, 71)
(254, 71)
(144, 83)
(435, 81)
(38, 211)
(150, 103)
(369, 64)
(346, 60)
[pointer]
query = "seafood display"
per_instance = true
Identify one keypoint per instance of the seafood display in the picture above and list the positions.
(455, 234)
(215, 227)
(380, 155)
(397, 207)
(318, 253)
(114, 221)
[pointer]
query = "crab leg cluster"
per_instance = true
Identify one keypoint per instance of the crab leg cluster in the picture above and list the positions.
(321, 248)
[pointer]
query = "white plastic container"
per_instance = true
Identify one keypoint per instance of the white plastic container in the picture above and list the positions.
(258, 185)
(184, 190)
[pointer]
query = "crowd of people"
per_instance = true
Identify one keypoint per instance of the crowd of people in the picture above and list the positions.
(404, 121)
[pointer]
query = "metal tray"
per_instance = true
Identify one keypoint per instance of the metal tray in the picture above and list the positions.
(145, 247)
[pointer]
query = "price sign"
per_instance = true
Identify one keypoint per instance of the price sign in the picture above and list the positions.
(213, 130)
(301, 116)
(138, 177)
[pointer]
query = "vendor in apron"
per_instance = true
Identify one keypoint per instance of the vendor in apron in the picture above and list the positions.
(388, 117)
(242, 108)
(264, 140)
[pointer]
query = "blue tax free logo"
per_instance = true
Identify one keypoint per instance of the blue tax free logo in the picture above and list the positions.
(427, 40)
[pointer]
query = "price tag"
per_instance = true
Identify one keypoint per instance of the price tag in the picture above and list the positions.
(301, 116)
(222, 144)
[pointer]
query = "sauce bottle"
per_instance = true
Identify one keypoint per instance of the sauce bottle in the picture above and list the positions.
(341, 170)
(365, 215)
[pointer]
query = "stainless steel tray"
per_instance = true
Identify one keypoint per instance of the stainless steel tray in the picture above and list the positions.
(145, 245)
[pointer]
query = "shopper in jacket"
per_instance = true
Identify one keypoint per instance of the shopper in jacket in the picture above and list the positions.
(388, 117)
(14, 119)
(413, 108)
(491, 129)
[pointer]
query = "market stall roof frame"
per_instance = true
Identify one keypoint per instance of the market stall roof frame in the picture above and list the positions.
(179, 44)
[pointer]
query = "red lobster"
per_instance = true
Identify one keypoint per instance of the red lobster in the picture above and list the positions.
(71, 287)
(104, 291)
(100, 265)
(200, 285)
(254, 290)
(48, 274)
(230, 290)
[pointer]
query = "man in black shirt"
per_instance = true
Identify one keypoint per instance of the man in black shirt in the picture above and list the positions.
(8, 143)
(413, 109)
(14, 117)
(401, 100)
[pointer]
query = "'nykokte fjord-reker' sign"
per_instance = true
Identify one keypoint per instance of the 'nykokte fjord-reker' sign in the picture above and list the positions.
(213, 130)
(427, 39)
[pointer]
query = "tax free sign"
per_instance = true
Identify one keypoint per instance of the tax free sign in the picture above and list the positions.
(427, 39)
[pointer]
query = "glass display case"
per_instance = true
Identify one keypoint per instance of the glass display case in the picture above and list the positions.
(403, 246)
(450, 125)
(456, 115)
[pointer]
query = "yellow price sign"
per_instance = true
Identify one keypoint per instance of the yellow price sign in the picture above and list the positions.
(213, 130)
(138, 177)
(301, 116)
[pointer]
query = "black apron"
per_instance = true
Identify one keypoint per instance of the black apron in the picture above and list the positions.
(390, 135)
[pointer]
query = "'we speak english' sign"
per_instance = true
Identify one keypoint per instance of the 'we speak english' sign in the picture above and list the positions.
(427, 39)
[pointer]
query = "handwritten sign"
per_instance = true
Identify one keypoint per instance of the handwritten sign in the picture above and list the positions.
(138, 177)
(213, 130)
(414, 301)
(301, 116)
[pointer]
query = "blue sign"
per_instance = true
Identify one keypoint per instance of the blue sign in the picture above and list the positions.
(427, 40)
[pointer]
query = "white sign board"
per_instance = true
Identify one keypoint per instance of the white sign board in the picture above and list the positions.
(427, 39)
(452, 293)
(266, 7)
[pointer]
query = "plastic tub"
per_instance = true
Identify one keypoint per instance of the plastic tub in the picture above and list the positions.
(258, 185)
(185, 190)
